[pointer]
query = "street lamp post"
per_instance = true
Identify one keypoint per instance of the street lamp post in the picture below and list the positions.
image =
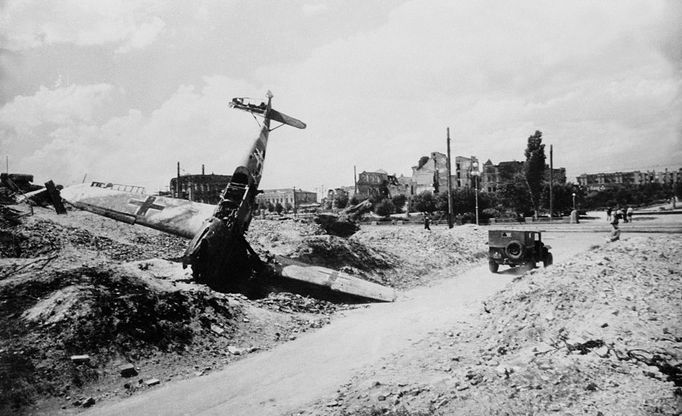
(475, 173)
(573, 201)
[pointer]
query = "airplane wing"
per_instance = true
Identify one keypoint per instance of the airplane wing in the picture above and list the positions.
(128, 204)
(339, 282)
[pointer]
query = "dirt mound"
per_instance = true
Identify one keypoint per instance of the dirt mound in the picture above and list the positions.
(400, 256)
(600, 334)
(415, 253)
(85, 285)
(100, 311)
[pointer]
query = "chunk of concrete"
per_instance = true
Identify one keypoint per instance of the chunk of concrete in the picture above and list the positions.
(127, 370)
(152, 382)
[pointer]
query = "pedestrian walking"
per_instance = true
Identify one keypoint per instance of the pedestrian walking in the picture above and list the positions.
(625, 210)
(615, 231)
(629, 213)
(426, 221)
(608, 214)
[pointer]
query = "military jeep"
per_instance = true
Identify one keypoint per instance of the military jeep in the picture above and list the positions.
(516, 248)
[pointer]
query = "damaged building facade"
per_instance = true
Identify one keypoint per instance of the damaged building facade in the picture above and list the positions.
(494, 176)
(199, 188)
(379, 184)
(431, 173)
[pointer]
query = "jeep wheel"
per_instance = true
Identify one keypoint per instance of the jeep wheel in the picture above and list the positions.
(514, 250)
(493, 266)
(547, 261)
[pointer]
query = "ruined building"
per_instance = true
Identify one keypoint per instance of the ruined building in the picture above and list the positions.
(199, 188)
(379, 184)
(431, 173)
(494, 176)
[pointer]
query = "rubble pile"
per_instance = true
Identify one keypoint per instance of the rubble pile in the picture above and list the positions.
(99, 311)
(419, 252)
(292, 303)
(401, 257)
(82, 297)
(600, 334)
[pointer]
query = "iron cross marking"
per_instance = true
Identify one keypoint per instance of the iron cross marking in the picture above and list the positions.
(146, 205)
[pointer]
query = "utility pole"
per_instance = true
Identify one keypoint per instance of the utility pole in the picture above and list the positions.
(551, 182)
(177, 183)
(450, 223)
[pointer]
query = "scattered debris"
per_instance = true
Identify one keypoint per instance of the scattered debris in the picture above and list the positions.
(127, 370)
(80, 359)
(152, 382)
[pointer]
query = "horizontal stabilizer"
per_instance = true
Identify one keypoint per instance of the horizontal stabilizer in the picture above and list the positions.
(288, 120)
(339, 282)
(260, 109)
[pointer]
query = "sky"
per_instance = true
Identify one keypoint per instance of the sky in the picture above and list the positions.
(120, 91)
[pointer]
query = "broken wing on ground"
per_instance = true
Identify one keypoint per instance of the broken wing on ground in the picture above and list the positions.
(185, 218)
(125, 203)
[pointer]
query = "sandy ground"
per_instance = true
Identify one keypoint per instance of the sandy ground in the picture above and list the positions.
(459, 340)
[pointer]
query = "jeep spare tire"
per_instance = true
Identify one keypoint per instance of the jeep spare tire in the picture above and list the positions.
(514, 249)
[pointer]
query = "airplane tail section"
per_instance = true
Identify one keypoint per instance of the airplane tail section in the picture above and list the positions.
(262, 110)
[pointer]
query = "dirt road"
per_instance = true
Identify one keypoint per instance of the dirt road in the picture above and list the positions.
(313, 366)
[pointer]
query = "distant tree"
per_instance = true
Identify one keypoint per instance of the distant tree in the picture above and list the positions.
(270, 207)
(354, 200)
(515, 196)
(288, 207)
(562, 195)
(384, 208)
(534, 168)
(399, 202)
(424, 202)
(678, 189)
(441, 201)
(279, 208)
(341, 200)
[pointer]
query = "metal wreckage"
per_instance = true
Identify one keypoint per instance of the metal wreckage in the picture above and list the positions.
(218, 252)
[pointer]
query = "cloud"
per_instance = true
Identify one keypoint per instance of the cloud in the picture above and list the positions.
(143, 36)
(31, 24)
(600, 80)
(316, 8)
(56, 133)
(590, 75)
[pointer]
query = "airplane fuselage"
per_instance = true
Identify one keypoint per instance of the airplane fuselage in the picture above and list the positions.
(221, 244)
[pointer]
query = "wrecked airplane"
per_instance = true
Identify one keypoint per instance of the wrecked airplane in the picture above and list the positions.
(218, 252)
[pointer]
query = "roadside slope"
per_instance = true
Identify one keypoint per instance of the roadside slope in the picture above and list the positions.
(299, 373)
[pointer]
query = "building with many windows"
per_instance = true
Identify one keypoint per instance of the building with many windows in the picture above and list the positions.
(199, 188)
(289, 198)
(603, 180)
